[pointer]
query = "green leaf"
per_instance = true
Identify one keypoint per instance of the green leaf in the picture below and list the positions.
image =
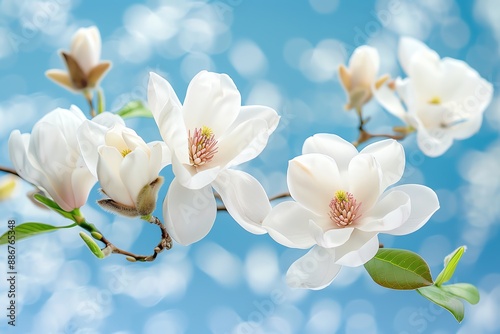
(463, 290)
(444, 299)
(53, 205)
(27, 230)
(399, 269)
(134, 109)
(450, 264)
(92, 245)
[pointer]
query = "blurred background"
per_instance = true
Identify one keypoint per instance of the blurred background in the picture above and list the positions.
(283, 54)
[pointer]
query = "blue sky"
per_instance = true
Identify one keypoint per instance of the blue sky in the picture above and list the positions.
(279, 53)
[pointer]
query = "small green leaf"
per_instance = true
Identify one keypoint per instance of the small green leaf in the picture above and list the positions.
(463, 290)
(27, 230)
(92, 245)
(134, 109)
(444, 299)
(399, 269)
(52, 205)
(450, 264)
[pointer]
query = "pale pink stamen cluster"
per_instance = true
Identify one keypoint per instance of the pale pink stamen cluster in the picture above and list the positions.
(202, 147)
(344, 209)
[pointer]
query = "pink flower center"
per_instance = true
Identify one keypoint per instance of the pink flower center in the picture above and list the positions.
(202, 146)
(344, 209)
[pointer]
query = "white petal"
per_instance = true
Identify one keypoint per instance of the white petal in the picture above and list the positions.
(160, 157)
(167, 112)
(108, 172)
(211, 100)
(365, 179)
(18, 153)
(257, 112)
(361, 248)
(435, 142)
(190, 177)
(90, 136)
(315, 270)
(82, 182)
(467, 128)
(313, 180)
(108, 120)
(242, 144)
(390, 101)
(134, 172)
(391, 211)
(332, 145)
(133, 141)
(189, 214)
(408, 48)
(424, 202)
(363, 65)
(50, 149)
(332, 237)
(245, 199)
(288, 224)
(390, 155)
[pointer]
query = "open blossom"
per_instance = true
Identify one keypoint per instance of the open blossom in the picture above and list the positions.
(360, 76)
(207, 135)
(444, 99)
(85, 69)
(127, 168)
(50, 158)
(341, 205)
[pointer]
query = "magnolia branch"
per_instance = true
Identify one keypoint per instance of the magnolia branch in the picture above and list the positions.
(223, 207)
(365, 135)
(8, 170)
(165, 241)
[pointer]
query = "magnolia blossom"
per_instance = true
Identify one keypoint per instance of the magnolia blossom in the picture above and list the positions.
(207, 135)
(342, 203)
(85, 69)
(444, 99)
(361, 75)
(50, 158)
(127, 168)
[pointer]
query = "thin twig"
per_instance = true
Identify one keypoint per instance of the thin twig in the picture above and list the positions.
(165, 242)
(283, 195)
(88, 96)
(8, 170)
(365, 135)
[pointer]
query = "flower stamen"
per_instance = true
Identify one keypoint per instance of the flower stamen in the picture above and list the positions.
(202, 146)
(125, 152)
(435, 100)
(344, 209)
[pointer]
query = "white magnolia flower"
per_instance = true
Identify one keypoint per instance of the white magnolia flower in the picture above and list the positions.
(50, 158)
(444, 99)
(361, 75)
(85, 69)
(342, 203)
(127, 168)
(207, 135)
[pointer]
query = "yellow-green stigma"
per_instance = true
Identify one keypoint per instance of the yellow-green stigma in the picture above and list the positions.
(125, 152)
(435, 100)
(202, 146)
(341, 196)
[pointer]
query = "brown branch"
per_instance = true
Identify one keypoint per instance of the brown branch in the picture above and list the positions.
(88, 97)
(8, 170)
(165, 242)
(365, 135)
(283, 195)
